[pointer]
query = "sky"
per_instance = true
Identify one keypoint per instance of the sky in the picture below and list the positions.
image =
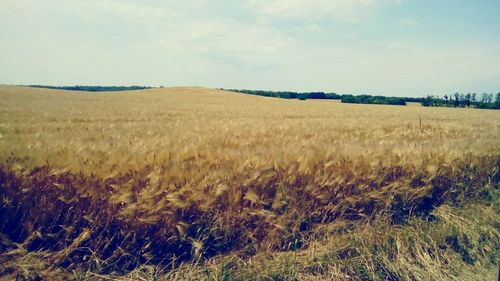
(382, 47)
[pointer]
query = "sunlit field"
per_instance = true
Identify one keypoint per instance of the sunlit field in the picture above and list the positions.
(203, 184)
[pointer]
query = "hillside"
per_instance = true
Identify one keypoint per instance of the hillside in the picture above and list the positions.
(204, 184)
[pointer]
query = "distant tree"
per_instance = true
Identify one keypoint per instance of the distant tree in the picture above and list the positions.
(489, 98)
(488, 102)
(333, 96)
(427, 101)
(467, 99)
(484, 98)
(457, 99)
(93, 88)
(461, 100)
(316, 95)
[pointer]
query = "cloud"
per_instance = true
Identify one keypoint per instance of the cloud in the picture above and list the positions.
(161, 32)
(228, 41)
(347, 10)
(144, 13)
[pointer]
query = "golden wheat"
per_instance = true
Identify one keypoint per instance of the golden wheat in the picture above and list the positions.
(115, 180)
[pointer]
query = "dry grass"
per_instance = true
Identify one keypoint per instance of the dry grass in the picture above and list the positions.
(193, 183)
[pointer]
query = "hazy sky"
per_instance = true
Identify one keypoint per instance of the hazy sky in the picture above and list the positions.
(389, 47)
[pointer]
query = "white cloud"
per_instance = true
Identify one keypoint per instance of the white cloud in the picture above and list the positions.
(167, 33)
(144, 13)
(348, 10)
(227, 41)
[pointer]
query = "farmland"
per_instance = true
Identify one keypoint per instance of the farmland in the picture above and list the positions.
(196, 183)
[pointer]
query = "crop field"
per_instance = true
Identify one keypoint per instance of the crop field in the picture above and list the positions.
(203, 184)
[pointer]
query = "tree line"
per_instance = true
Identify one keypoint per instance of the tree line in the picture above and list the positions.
(344, 98)
(288, 94)
(486, 101)
(93, 88)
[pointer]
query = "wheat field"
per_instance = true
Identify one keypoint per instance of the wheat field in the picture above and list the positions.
(204, 184)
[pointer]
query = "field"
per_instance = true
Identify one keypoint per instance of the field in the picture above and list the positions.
(202, 184)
